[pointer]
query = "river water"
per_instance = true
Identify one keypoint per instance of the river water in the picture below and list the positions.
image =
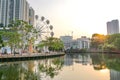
(93, 66)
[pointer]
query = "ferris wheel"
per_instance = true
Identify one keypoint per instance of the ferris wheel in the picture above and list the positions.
(43, 28)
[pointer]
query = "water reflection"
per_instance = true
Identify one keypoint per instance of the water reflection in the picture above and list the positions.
(114, 75)
(51, 68)
(100, 62)
(70, 67)
(30, 70)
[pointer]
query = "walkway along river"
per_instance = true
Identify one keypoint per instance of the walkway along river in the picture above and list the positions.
(28, 56)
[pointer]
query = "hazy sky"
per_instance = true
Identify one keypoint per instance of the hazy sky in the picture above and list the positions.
(83, 17)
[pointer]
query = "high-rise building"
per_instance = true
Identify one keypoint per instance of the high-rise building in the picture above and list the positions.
(31, 16)
(4, 11)
(13, 10)
(113, 27)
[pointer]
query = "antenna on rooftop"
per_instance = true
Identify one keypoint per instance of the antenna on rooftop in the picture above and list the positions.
(72, 33)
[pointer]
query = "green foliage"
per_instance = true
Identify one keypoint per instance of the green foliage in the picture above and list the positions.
(108, 43)
(58, 62)
(9, 72)
(114, 64)
(112, 38)
(52, 68)
(1, 41)
(13, 38)
(113, 41)
(108, 47)
(1, 25)
(102, 61)
(54, 44)
(117, 43)
(18, 34)
(97, 40)
(16, 72)
(83, 50)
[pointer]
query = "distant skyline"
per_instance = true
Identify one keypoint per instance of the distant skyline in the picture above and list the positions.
(82, 17)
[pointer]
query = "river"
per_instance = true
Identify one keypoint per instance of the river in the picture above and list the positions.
(86, 66)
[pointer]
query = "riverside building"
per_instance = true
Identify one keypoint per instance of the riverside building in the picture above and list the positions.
(67, 41)
(79, 43)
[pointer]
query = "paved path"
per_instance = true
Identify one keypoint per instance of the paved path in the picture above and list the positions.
(30, 55)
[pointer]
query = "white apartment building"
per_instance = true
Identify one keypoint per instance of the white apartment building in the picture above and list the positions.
(4, 11)
(11, 10)
(83, 42)
(79, 43)
(67, 40)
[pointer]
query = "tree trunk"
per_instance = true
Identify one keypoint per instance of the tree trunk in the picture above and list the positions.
(11, 49)
(14, 52)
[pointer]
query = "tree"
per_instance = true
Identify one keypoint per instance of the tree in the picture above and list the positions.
(1, 25)
(97, 40)
(57, 45)
(1, 42)
(113, 40)
(54, 44)
(117, 43)
(108, 47)
(25, 31)
(13, 39)
(18, 35)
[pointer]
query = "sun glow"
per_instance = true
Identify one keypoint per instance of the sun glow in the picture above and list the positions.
(81, 21)
(83, 17)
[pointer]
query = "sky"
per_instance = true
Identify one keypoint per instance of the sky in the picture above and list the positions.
(80, 17)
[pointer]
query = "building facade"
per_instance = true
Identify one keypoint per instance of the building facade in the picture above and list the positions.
(67, 40)
(113, 27)
(83, 43)
(4, 14)
(80, 43)
(11, 10)
(31, 16)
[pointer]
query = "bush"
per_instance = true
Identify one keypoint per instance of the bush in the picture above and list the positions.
(83, 50)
